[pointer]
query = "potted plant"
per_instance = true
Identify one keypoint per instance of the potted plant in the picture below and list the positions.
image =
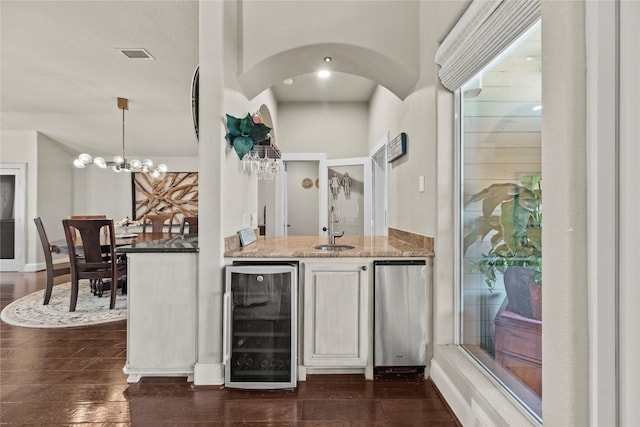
(516, 241)
(244, 133)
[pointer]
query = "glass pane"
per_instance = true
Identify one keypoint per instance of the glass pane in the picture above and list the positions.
(261, 339)
(501, 315)
(7, 216)
(346, 194)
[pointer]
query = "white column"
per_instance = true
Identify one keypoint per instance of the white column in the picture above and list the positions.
(209, 368)
(565, 349)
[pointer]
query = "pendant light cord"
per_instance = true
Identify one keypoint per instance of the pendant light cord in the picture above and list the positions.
(123, 156)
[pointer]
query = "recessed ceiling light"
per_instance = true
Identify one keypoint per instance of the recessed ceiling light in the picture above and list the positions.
(323, 74)
(537, 108)
(327, 59)
(529, 58)
(288, 82)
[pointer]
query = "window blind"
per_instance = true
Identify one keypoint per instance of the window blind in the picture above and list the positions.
(485, 29)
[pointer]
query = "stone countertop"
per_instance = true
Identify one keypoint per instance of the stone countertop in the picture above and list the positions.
(173, 244)
(303, 247)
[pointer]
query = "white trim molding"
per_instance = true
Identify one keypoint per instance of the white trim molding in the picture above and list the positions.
(475, 397)
(602, 210)
(208, 374)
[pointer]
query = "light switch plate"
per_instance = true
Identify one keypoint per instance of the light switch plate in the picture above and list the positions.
(421, 183)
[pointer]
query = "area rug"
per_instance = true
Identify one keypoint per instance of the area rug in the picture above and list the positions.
(29, 312)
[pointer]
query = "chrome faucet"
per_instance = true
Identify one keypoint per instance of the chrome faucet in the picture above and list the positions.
(332, 220)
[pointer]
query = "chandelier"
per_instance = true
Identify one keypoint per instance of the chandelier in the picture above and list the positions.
(121, 163)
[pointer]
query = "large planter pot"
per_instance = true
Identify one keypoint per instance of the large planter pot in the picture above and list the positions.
(524, 295)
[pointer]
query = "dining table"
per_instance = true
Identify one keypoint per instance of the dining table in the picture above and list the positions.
(122, 239)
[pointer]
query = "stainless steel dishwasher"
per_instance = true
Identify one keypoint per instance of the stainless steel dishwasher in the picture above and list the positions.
(400, 315)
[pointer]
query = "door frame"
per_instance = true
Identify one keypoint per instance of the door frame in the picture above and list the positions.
(281, 213)
(19, 170)
(380, 190)
(365, 162)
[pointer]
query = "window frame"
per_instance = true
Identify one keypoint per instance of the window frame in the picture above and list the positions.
(458, 221)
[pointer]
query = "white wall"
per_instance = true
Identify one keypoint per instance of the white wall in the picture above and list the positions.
(55, 191)
(339, 129)
(409, 209)
(240, 190)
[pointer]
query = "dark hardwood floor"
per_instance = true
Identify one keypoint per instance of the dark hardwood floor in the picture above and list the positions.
(74, 376)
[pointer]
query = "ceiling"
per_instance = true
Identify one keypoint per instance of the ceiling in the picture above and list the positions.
(62, 70)
(339, 87)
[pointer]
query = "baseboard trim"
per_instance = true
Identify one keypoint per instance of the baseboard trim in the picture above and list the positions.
(453, 397)
(208, 374)
(33, 267)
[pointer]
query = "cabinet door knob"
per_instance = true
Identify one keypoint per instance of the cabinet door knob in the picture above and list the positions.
(364, 268)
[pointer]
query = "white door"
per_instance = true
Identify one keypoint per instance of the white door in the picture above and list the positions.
(302, 198)
(12, 216)
(300, 194)
(347, 185)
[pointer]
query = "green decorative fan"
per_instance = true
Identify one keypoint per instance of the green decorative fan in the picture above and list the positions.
(244, 133)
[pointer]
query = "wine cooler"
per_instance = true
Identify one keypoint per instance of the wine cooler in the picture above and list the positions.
(260, 326)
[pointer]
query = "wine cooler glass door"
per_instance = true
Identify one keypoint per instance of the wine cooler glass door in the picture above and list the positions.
(261, 336)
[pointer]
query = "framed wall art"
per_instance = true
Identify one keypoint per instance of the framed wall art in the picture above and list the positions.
(173, 192)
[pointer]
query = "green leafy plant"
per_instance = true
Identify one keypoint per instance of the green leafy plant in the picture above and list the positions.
(517, 232)
(244, 133)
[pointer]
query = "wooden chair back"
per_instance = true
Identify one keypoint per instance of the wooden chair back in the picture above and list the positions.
(191, 222)
(87, 217)
(92, 264)
(157, 222)
(53, 270)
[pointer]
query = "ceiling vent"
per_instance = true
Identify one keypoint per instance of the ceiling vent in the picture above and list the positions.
(136, 53)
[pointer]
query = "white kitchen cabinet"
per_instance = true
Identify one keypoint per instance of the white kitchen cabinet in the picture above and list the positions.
(337, 314)
(161, 305)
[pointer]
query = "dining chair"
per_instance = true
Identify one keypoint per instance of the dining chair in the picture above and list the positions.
(157, 222)
(191, 222)
(92, 264)
(53, 270)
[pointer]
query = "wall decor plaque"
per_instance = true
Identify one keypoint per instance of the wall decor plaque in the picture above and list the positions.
(397, 147)
(172, 192)
(307, 183)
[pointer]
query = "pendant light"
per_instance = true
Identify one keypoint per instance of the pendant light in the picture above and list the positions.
(120, 162)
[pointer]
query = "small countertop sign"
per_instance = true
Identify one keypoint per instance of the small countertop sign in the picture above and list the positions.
(247, 236)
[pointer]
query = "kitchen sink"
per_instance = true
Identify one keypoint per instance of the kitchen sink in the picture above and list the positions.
(334, 247)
